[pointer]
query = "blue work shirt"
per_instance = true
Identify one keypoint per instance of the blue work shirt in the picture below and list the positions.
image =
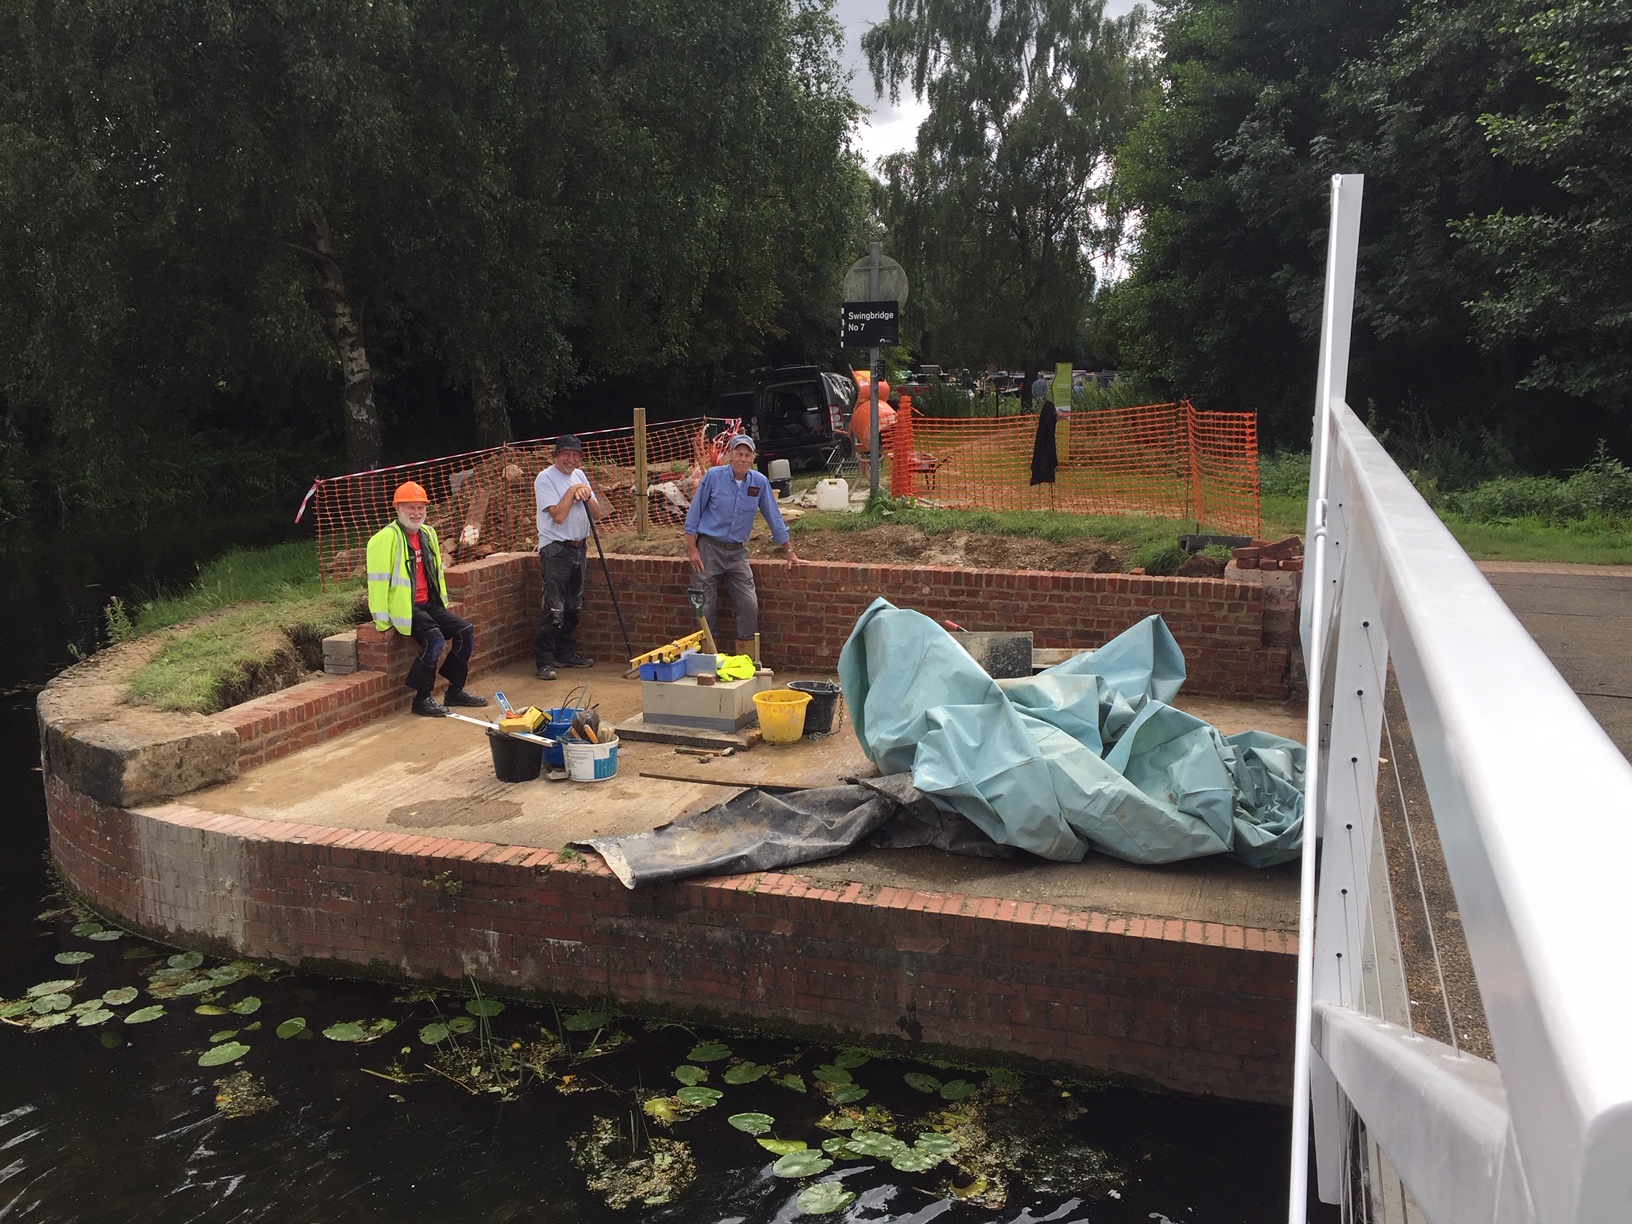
(725, 510)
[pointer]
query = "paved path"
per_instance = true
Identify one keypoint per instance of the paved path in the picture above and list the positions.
(1581, 615)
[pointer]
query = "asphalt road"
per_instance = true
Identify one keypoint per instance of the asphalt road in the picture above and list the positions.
(1581, 616)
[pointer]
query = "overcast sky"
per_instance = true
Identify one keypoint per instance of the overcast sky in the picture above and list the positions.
(891, 128)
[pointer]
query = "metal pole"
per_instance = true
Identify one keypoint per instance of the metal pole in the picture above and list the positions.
(610, 590)
(642, 510)
(872, 381)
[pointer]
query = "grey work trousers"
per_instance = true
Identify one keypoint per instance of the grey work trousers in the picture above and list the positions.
(727, 565)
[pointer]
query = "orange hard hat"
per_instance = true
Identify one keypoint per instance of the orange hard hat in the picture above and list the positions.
(410, 493)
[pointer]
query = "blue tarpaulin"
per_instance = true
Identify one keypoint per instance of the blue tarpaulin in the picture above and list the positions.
(1086, 754)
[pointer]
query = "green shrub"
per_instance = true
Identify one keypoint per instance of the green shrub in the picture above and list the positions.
(1283, 474)
(1602, 490)
(1160, 557)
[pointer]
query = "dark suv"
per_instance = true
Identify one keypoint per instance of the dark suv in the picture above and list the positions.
(797, 413)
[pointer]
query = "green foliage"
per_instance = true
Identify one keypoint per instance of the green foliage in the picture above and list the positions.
(1599, 493)
(1048, 525)
(1160, 557)
(1284, 474)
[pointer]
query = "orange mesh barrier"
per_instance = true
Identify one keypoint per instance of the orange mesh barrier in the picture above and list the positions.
(1159, 460)
(482, 501)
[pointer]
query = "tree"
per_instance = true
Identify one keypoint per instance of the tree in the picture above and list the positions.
(1003, 204)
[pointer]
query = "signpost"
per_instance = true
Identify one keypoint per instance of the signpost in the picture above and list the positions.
(875, 289)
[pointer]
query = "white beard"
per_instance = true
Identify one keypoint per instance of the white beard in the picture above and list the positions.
(410, 528)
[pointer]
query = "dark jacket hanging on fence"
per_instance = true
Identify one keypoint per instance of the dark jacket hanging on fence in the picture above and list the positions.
(1044, 456)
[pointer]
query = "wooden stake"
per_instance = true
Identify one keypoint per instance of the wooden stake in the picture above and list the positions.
(642, 509)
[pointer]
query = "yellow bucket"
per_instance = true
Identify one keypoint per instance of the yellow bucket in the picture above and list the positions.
(782, 715)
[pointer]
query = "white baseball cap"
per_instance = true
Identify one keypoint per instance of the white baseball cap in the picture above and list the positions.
(743, 440)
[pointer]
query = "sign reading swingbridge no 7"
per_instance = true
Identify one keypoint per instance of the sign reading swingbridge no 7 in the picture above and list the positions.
(869, 324)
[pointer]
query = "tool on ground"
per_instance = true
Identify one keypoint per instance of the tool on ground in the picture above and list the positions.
(707, 754)
(495, 727)
(772, 784)
(696, 595)
(610, 590)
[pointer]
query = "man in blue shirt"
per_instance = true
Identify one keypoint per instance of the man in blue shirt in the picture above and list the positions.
(717, 527)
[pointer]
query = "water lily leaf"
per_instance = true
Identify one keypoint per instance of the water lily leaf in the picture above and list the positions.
(698, 1096)
(483, 1007)
(193, 988)
(247, 1006)
(15, 1008)
(42, 1023)
(46, 988)
(225, 975)
(381, 1027)
(803, 1163)
(847, 1094)
(100, 1016)
(223, 1035)
(827, 1073)
(688, 1074)
(922, 1081)
(107, 936)
(52, 1003)
(210, 1009)
(664, 1109)
(461, 1024)
(876, 1143)
(934, 1141)
(586, 1021)
(171, 977)
(851, 1058)
(224, 1053)
(709, 1051)
(86, 928)
(73, 958)
(186, 960)
(433, 1033)
(796, 1082)
(291, 1026)
(956, 1090)
(120, 995)
(143, 1014)
(752, 1123)
(79, 1009)
(824, 1198)
(914, 1160)
(1002, 1077)
(744, 1073)
(346, 1030)
(839, 1148)
(112, 1040)
(782, 1146)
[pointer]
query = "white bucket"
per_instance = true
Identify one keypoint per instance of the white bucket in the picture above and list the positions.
(833, 494)
(590, 762)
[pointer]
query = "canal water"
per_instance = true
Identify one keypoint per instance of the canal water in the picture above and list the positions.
(345, 1101)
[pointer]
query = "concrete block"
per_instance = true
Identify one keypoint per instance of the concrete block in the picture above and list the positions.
(714, 707)
(340, 653)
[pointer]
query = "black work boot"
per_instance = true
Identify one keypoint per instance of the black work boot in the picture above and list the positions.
(575, 660)
(430, 707)
(546, 671)
(463, 697)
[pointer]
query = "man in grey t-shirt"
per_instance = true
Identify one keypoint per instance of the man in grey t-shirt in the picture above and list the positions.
(566, 504)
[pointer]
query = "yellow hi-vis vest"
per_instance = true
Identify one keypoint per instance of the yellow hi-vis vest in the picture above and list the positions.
(391, 576)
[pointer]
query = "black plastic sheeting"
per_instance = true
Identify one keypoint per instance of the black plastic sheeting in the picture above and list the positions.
(761, 831)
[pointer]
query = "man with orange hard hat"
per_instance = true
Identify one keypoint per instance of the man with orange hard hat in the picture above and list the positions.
(406, 593)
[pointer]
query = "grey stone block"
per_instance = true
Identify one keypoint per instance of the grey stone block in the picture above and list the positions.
(132, 757)
(340, 653)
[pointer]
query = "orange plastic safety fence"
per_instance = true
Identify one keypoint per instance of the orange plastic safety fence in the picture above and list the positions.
(482, 501)
(1158, 460)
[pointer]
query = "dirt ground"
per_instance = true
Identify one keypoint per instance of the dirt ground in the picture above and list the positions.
(891, 544)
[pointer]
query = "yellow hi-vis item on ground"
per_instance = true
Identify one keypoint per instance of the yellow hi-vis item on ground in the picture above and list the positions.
(734, 667)
(527, 721)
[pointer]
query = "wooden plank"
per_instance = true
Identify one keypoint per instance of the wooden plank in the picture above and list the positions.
(712, 779)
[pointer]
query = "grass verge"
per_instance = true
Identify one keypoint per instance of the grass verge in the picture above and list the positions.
(252, 623)
(1584, 543)
(1057, 527)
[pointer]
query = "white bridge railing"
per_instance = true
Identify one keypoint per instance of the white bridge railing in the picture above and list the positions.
(1533, 806)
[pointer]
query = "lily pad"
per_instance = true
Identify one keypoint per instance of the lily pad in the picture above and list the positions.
(73, 958)
(851, 1058)
(665, 1109)
(112, 1040)
(744, 1073)
(79, 1009)
(143, 1014)
(107, 936)
(586, 1021)
(1002, 1077)
(483, 1007)
(291, 1026)
(461, 1024)
(915, 1160)
(247, 1006)
(46, 988)
(824, 1198)
(224, 975)
(53, 1003)
(381, 1027)
(171, 977)
(847, 1094)
(86, 928)
(839, 1148)
(100, 1016)
(956, 1090)
(934, 1141)
(346, 1030)
(186, 960)
(922, 1081)
(782, 1146)
(698, 1096)
(41, 1023)
(433, 1033)
(709, 1051)
(689, 1075)
(795, 1082)
(210, 1009)
(194, 988)
(752, 1123)
(15, 1008)
(827, 1073)
(876, 1143)
(223, 1035)
(120, 995)
(224, 1053)
(802, 1163)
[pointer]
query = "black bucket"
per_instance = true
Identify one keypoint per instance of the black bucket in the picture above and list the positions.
(514, 760)
(824, 698)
